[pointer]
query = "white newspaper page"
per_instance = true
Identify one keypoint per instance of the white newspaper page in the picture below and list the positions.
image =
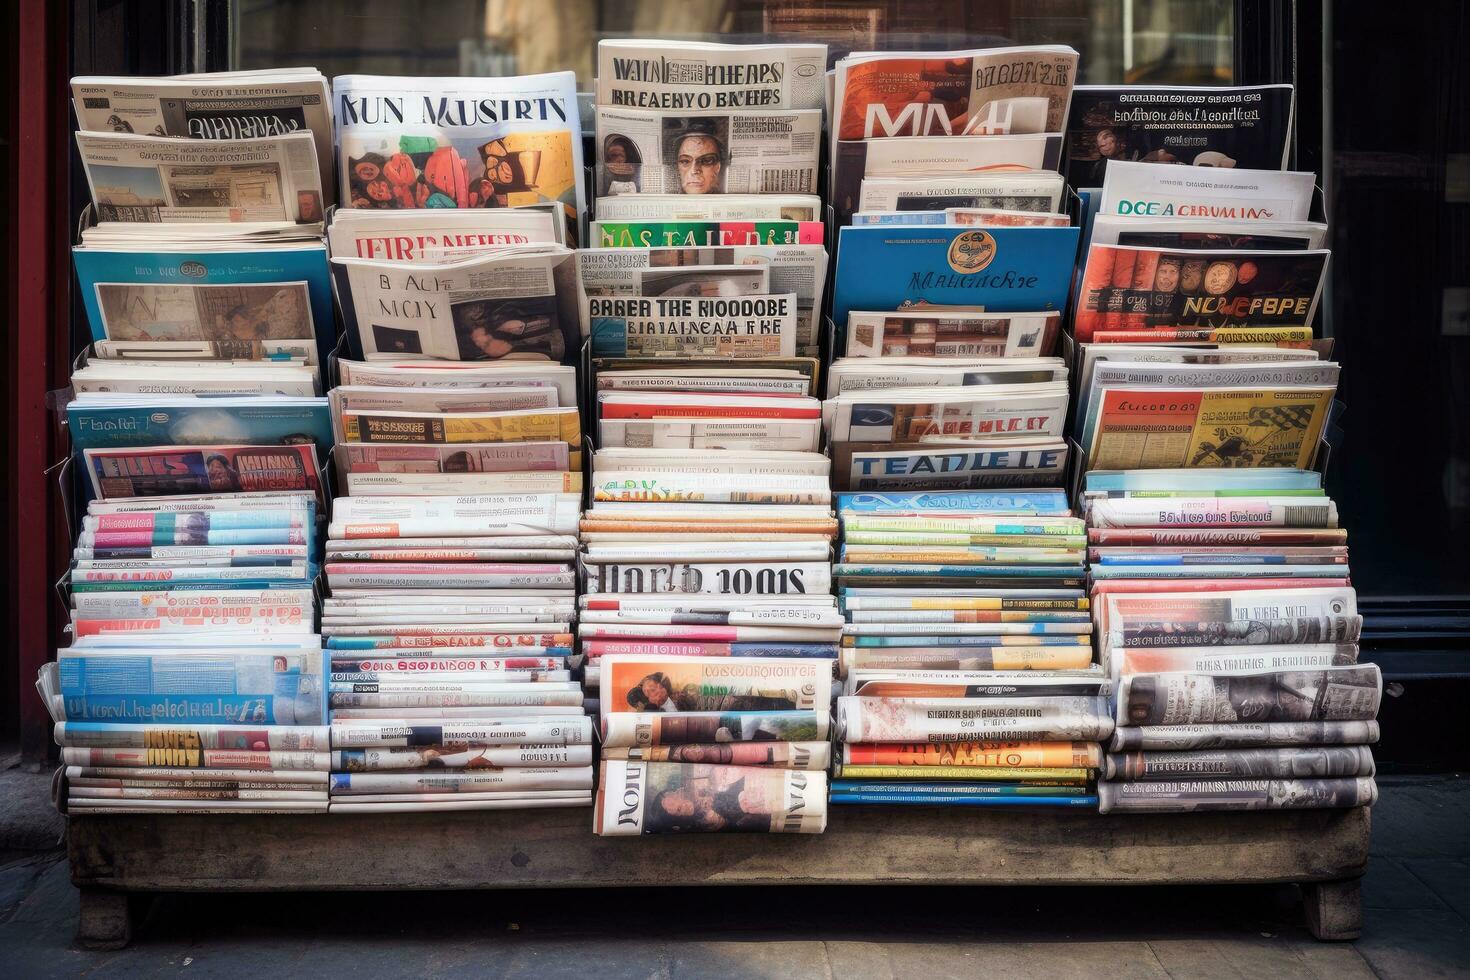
(797, 269)
(693, 326)
(153, 179)
(223, 106)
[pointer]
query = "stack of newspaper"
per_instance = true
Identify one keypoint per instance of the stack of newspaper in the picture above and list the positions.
(449, 564)
(706, 157)
(951, 137)
(194, 679)
(967, 659)
(1225, 616)
(235, 156)
(708, 630)
(944, 422)
(1194, 335)
(201, 256)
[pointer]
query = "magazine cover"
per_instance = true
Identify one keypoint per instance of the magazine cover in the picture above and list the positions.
(657, 683)
(951, 334)
(1211, 126)
(201, 469)
(459, 142)
(1168, 428)
(1128, 288)
(969, 93)
(1236, 194)
(889, 466)
(1003, 270)
(440, 234)
(189, 421)
(508, 303)
(753, 151)
(673, 797)
(247, 295)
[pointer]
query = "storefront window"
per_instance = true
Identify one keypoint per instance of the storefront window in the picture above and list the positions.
(1187, 42)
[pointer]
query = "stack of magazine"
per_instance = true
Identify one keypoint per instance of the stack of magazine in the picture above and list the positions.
(1225, 615)
(1218, 570)
(201, 255)
(706, 157)
(694, 118)
(452, 590)
(194, 679)
(967, 657)
(449, 556)
(954, 254)
(195, 675)
(708, 631)
(951, 137)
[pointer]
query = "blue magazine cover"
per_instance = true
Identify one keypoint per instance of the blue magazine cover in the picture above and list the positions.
(1038, 502)
(282, 293)
(1003, 270)
(201, 420)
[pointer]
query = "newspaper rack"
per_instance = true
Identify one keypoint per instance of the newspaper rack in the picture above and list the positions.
(114, 858)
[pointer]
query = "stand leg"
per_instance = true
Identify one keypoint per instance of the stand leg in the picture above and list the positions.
(1334, 909)
(104, 923)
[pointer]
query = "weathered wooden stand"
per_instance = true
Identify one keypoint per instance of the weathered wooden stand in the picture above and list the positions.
(1326, 851)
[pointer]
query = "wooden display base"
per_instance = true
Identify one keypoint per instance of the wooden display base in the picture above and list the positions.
(111, 856)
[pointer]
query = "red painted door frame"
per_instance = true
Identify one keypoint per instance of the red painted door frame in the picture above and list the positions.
(38, 351)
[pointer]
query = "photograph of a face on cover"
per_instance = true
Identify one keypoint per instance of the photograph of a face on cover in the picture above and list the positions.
(622, 167)
(697, 151)
(491, 329)
(707, 798)
(272, 311)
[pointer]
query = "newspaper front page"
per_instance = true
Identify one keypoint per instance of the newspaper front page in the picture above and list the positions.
(693, 75)
(221, 106)
(162, 179)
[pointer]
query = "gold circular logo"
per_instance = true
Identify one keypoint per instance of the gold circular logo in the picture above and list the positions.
(971, 251)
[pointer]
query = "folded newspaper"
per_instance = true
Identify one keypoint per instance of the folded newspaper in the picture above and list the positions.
(671, 797)
(507, 303)
(215, 106)
(153, 181)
